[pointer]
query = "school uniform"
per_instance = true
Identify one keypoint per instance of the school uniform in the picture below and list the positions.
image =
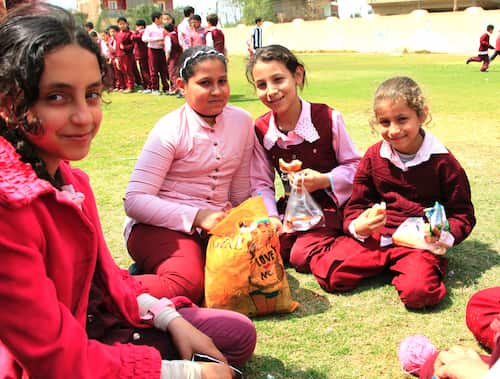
(321, 142)
(124, 52)
(197, 37)
(185, 165)
(407, 189)
(141, 58)
(118, 76)
(156, 56)
(482, 55)
(483, 316)
(173, 50)
(215, 39)
(497, 49)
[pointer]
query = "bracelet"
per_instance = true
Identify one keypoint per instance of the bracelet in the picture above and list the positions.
(156, 308)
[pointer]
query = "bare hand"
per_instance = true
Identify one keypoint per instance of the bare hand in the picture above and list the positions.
(433, 239)
(190, 340)
(208, 218)
(459, 363)
(313, 180)
(215, 371)
(276, 224)
(370, 221)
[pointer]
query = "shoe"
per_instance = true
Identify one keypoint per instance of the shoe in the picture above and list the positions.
(146, 91)
(179, 95)
(156, 93)
(171, 93)
(134, 269)
(467, 61)
(128, 90)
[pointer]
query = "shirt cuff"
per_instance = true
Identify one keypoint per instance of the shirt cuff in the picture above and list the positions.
(446, 239)
(352, 230)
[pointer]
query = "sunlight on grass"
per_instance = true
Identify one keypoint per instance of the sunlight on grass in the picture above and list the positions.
(351, 335)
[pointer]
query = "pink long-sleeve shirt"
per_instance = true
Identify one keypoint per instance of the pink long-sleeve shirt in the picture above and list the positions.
(187, 165)
(341, 177)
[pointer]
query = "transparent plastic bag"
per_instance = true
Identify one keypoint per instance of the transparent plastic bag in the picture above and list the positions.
(302, 212)
(411, 233)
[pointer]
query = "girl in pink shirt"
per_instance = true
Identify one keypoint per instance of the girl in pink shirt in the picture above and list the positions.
(314, 134)
(67, 310)
(193, 168)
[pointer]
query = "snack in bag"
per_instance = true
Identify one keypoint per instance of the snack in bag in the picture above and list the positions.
(244, 271)
(302, 213)
(412, 231)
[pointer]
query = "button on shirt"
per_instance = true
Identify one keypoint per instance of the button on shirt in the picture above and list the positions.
(187, 165)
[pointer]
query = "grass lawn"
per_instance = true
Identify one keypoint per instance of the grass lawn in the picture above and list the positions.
(353, 335)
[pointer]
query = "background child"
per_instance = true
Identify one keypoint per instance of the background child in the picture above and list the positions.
(173, 51)
(484, 45)
(141, 55)
(255, 40)
(408, 170)
(67, 310)
(193, 168)
(497, 48)
(315, 134)
(197, 33)
(154, 36)
(125, 54)
(215, 36)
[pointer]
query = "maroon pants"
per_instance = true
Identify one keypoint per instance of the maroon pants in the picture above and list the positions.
(158, 66)
(127, 63)
(144, 73)
(418, 273)
(483, 316)
(172, 73)
(481, 58)
(174, 262)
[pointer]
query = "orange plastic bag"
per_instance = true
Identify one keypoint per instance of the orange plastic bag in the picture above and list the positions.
(244, 271)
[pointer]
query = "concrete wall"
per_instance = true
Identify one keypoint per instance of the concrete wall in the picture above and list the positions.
(449, 32)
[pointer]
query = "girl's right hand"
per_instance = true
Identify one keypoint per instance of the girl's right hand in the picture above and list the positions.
(276, 224)
(215, 371)
(208, 218)
(370, 221)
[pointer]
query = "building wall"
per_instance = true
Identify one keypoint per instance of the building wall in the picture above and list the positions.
(90, 7)
(287, 10)
(394, 7)
(444, 32)
(120, 4)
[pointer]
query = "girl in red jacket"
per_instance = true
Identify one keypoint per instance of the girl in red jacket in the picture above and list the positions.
(66, 309)
(409, 170)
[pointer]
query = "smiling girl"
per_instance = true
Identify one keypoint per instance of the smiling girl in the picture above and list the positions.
(66, 309)
(409, 170)
(193, 168)
(313, 134)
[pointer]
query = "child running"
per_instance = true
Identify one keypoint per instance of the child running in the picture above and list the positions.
(314, 134)
(67, 310)
(409, 170)
(193, 168)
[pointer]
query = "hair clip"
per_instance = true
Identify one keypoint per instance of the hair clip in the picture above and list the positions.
(200, 53)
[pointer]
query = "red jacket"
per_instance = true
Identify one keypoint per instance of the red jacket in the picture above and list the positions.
(124, 43)
(140, 47)
(50, 250)
(484, 42)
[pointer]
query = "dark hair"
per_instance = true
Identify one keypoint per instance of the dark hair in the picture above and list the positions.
(114, 27)
(275, 53)
(29, 33)
(89, 25)
(93, 34)
(170, 28)
(155, 16)
(258, 19)
(140, 22)
(188, 11)
(213, 19)
(122, 19)
(195, 17)
(490, 26)
(191, 57)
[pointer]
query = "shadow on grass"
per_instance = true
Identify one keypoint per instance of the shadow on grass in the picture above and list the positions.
(266, 367)
(238, 98)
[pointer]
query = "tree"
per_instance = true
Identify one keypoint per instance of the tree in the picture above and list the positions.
(256, 8)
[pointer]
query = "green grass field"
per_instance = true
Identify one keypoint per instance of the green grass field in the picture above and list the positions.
(353, 335)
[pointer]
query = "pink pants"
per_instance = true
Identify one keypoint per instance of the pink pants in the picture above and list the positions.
(174, 261)
(418, 274)
(233, 334)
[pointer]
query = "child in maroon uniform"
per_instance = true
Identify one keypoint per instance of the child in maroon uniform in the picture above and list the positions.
(141, 55)
(124, 53)
(497, 48)
(316, 135)
(215, 37)
(409, 170)
(484, 45)
(173, 51)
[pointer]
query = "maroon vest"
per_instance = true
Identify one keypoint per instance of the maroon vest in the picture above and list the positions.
(218, 38)
(318, 155)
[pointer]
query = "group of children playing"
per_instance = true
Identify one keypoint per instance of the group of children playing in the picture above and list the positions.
(93, 319)
(141, 59)
(484, 47)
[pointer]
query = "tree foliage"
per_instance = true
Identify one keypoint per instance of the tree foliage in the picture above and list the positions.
(256, 8)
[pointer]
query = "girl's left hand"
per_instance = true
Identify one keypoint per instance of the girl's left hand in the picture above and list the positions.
(189, 340)
(313, 180)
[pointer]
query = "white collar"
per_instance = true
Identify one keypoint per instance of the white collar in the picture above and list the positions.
(304, 128)
(430, 145)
